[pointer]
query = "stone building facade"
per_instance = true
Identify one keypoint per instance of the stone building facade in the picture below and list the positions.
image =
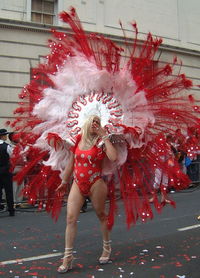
(25, 29)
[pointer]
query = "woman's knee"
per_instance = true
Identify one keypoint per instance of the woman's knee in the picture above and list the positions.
(71, 219)
(101, 215)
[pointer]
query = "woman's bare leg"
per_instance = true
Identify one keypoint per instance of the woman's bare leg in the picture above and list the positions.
(74, 204)
(98, 197)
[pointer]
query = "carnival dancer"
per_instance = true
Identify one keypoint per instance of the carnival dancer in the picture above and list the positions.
(86, 162)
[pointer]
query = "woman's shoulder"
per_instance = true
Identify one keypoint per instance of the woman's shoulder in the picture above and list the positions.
(75, 141)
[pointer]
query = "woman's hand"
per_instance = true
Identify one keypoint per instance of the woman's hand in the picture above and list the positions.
(100, 131)
(61, 189)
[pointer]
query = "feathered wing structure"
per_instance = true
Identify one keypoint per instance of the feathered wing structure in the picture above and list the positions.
(139, 102)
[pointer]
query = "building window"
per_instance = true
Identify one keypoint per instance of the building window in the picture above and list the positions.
(43, 11)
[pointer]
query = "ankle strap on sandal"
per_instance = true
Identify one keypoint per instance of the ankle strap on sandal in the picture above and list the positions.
(68, 252)
(107, 245)
(107, 242)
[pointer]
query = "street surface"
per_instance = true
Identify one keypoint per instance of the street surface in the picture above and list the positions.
(168, 246)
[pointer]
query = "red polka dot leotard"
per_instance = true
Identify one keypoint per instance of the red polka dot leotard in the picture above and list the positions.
(87, 167)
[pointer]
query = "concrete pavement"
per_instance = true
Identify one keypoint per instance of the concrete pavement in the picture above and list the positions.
(31, 244)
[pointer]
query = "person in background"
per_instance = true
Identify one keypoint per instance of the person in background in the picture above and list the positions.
(2, 207)
(6, 181)
(84, 207)
(194, 157)
(14, 139)
(161, 180)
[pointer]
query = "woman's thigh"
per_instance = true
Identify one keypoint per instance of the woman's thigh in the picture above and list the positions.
(75, 201)
(98, 195)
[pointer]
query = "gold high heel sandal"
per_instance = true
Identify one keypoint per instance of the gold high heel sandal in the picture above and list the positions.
(67, 254)
(107, 248)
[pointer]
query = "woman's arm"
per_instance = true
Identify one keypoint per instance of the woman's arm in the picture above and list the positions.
(110, 150)
(68, 169)
(67, 172)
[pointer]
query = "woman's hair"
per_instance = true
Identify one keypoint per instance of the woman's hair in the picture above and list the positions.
(85, 130)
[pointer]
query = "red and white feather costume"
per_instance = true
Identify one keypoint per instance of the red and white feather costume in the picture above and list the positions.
(83, 75)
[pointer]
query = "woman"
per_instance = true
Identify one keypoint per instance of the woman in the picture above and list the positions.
(86, 164)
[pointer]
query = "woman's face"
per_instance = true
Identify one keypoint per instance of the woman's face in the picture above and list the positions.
(95, 125)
